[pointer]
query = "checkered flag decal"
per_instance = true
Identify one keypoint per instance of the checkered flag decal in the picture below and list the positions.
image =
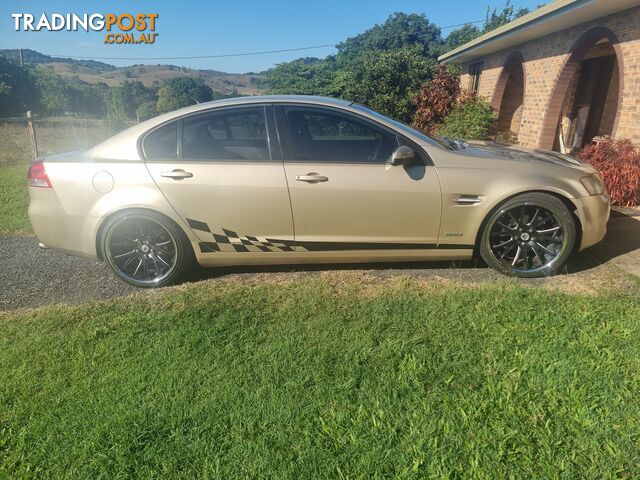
(230, 241)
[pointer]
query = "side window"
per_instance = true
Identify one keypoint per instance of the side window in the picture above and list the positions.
(327, 136)
(162, 143)
(475, 71)
(236, 134)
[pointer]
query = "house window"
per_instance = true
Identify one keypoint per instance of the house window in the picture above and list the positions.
(475, 70)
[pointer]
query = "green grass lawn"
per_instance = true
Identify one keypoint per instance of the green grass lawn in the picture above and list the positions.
(306, 379)
(14, 199)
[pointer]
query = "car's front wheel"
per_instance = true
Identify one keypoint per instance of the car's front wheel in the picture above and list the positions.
(530, 235)
(145, 249)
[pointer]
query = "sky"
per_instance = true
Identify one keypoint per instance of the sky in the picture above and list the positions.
(189, 28)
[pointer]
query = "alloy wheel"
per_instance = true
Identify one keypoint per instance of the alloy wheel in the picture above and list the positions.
(141, 249)
(527, 238)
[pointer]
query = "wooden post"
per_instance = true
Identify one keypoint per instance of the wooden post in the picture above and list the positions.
(32, 134)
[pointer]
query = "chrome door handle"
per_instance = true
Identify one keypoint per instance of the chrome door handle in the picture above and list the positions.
(311, 178)
(176, 174)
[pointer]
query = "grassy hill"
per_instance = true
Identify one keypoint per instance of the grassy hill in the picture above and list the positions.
(91, 71)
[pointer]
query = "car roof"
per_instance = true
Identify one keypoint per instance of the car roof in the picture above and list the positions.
(256, 99)
(276, 99)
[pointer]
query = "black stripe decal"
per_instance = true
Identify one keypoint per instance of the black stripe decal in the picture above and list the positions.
(197, 225)
(210, 247)
(232, 241)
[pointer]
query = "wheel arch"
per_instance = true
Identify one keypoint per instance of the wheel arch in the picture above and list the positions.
(572, 207)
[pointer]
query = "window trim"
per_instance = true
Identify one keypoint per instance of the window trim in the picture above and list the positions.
(143, 138)
(287, 144)
(269, 130)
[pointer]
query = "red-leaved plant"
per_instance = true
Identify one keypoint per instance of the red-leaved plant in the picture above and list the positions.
(436, 99)
(619, 164)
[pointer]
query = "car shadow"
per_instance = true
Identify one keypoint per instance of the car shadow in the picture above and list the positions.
(202, 273)
(623, 236)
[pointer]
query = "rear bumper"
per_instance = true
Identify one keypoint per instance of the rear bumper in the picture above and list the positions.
(593, 212)
(58, 230)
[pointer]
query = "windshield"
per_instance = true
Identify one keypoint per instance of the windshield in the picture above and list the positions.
(404, 127)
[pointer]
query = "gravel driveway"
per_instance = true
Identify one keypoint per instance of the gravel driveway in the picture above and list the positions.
(30, 276)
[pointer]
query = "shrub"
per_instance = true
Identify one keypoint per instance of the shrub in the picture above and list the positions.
(506, 137)
(436, 99)
(146, 110)
(471, 119)
(619, 164)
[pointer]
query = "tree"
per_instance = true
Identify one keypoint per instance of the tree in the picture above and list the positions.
(399, 31)
(136, 94)
(497, 19)
(146, 110)
(305, 76)
(460, 36)
(181, 92)
(54, 91)
(386, 81)
(18, 89)
(86, 98)
(116, 110)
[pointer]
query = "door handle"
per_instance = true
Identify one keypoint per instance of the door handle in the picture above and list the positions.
(312, 178)
(176, 174)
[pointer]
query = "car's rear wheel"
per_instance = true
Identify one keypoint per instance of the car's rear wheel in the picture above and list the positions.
(145, 248)
(530, 235)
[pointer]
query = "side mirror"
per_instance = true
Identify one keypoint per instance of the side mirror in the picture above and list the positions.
(403, 155)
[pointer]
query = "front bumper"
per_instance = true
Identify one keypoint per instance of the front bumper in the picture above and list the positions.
(593, 212)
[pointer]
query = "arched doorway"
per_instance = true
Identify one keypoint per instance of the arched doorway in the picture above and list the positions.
(508, 99)
(588, 94)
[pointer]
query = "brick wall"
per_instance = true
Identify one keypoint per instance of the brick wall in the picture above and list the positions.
(549, 67)
(510, 112)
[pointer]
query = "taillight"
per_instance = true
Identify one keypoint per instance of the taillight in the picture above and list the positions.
(37, 176)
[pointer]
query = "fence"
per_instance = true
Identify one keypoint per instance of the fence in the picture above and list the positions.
(52, 134)
(31, 125)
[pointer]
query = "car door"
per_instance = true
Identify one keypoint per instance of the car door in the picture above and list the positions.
(222, 172)
(345, 194)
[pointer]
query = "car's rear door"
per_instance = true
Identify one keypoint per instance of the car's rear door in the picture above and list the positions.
(222, 172)
(344, 193)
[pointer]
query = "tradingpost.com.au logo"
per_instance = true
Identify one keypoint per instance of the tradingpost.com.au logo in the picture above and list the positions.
(130, 29)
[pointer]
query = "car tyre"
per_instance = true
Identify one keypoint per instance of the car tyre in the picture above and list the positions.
(145, 248)
(530, 235)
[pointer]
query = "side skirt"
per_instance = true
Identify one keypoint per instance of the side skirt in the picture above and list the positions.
(343, 256)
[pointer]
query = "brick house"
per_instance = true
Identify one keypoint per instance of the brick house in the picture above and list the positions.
(560, 75)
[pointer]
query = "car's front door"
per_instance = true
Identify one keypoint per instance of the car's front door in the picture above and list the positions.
(222, 171)
(345, 194)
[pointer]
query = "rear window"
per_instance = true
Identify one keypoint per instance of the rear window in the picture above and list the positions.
(162, 143)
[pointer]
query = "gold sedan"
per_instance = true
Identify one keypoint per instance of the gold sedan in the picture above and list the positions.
(294, 179)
